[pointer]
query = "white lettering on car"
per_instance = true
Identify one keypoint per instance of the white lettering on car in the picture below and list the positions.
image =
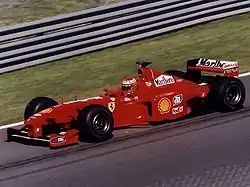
(163, 80)
(177, 110)
(216, 63)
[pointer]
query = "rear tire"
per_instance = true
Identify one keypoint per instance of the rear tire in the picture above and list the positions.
(227, 94)
(95, 124)
(37, 105)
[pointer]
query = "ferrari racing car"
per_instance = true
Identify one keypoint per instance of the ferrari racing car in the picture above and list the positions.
(152, 96)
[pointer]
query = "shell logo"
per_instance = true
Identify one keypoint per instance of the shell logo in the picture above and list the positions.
(164, 105)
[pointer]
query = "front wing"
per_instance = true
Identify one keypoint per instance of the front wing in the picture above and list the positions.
(53, 140)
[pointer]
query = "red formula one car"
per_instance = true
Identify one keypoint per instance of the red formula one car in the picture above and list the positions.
(153, 96)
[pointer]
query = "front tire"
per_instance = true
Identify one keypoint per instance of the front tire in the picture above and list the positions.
(228, 94)
(95, 123)
(37, 105)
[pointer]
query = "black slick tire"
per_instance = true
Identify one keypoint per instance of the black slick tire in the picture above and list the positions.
(95, 124)
(227, 94)
(37, 105)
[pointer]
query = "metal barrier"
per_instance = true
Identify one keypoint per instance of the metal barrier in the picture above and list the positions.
(64, 36)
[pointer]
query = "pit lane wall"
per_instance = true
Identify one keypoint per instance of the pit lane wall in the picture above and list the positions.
(64, 36)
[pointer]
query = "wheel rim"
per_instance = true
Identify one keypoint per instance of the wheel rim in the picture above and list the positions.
(101, 123)
(233, 94)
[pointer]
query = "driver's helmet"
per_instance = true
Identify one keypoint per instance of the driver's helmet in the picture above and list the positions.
(129, 84)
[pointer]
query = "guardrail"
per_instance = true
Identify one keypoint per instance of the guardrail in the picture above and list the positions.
(64, 36)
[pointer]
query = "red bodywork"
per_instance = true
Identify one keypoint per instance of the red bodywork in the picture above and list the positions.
(160, 97)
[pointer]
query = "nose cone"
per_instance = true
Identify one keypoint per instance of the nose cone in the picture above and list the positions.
(65, 112)
(41, 116)
(61, 113)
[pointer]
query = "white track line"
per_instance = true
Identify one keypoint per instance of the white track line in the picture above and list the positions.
(21, 123)
(244, 74)
(11, 125)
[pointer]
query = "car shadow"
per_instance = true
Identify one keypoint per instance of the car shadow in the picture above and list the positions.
(34, 143)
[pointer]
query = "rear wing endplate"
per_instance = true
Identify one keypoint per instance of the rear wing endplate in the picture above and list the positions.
(227, 68)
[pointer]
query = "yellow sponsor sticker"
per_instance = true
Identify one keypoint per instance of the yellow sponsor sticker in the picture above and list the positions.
(164, 105)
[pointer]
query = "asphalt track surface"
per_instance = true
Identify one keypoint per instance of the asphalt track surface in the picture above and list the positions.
(211, 150)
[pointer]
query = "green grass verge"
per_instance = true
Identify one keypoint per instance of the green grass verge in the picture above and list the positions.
(29, 10)
(85, 75)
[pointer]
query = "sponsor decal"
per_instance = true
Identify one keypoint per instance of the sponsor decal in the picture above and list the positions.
(163, 80)
(230, 65)
(112, 98)
(48, 110)
(234, 70)
(164, 105)
(177, 99)
(57, 140)
(126, 99)
(215, 63)
(177, 110)
(111, 106)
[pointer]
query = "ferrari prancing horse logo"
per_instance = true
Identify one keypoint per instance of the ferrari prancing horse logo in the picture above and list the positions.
(111, 106)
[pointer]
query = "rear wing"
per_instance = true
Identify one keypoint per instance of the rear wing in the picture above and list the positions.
(227, 68)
